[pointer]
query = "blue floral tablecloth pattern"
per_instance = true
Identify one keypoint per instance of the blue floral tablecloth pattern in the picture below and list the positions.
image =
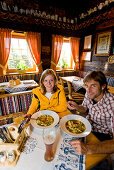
(31, 144)
(67, 159)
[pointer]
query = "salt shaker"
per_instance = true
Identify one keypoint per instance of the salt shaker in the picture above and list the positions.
(11, 156)
(2, 156)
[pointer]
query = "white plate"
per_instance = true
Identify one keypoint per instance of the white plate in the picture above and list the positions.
(75, 117)
(75, 79)
(44, 112)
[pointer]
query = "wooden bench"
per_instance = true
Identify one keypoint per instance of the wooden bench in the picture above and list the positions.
(15, 102)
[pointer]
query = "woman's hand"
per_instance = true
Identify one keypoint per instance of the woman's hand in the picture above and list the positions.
(27, 116)
(72, 105)
(79, 147)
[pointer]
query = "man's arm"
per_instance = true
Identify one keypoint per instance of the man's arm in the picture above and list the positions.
(102, 147)
(99, 148)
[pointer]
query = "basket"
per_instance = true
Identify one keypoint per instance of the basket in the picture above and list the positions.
(14, 147)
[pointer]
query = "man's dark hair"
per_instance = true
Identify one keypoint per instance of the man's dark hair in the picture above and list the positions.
(98, 76)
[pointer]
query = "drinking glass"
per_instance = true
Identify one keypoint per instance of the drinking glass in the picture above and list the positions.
(49, 137)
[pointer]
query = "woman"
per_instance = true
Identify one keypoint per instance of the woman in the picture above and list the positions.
(49, 96)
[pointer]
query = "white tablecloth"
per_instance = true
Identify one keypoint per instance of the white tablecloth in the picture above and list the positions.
(77, 84)
(18, 88)
(32, 158)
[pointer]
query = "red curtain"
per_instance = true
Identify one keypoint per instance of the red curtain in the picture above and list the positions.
(57, 42)
(74, 42)
(5, 43)
(34, 43)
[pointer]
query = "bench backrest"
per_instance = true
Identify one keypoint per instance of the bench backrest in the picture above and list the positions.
(15, 102)
(35, 76)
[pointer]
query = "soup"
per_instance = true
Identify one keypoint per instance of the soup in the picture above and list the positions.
(75, 126)
(44, 120)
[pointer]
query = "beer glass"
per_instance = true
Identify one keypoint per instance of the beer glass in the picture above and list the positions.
(49, 137)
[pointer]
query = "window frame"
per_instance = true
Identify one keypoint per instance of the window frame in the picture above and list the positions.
(67, 40)
(20, 35)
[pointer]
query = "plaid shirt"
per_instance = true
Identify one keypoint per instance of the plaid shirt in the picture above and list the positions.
(101, 114)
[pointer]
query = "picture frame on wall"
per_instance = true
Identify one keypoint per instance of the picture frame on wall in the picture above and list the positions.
(86, 56)
(103, 44)
(87, 42)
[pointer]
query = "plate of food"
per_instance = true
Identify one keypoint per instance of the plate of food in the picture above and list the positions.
(44, 119)
(75, 125)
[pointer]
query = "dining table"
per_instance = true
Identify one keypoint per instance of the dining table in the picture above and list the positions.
(77, 83)
(24, 84)
(32, 156)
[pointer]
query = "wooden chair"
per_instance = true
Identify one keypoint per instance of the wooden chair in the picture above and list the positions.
(70, 93)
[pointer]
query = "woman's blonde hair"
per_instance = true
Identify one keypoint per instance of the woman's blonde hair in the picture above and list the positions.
(45, 74)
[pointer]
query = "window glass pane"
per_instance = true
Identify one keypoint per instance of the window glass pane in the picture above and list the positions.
(19, 54)
(65, 58)
(14, 43)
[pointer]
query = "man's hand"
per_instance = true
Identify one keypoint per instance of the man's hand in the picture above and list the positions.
(72, 105)
(79, 147)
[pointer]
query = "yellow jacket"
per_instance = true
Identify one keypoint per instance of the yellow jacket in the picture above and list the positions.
(57, 102)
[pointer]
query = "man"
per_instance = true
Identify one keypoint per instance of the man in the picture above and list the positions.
(98, 105)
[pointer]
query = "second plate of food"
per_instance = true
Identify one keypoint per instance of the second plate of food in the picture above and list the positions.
(75, 125)
(44, 119)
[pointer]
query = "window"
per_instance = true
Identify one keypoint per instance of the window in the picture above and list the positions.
(20, 55)
(66, 60)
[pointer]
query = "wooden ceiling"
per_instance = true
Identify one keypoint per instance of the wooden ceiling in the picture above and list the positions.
(71, 7)
(70, 10)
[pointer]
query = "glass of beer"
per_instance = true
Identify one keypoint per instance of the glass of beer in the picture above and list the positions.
(49, 137)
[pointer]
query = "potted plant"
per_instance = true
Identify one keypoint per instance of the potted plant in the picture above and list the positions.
(64, 64)
(21, 67)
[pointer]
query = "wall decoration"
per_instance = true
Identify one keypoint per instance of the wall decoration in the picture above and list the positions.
(86, 55)
(99, 7)
(111, 59)
(103, 44)
(87, 42)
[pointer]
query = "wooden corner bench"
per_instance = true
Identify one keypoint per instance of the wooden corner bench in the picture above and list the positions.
(13, 103)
